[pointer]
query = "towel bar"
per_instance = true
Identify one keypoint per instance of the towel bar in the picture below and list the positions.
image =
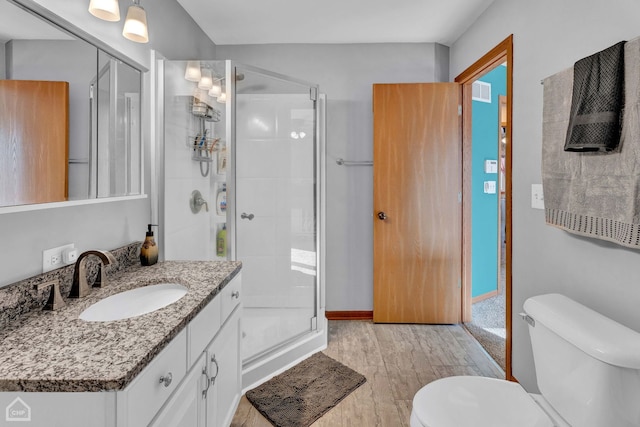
(343, 162)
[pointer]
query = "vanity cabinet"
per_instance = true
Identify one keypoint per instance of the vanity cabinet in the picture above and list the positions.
(187, 407)
(223, 356)
(211, 390)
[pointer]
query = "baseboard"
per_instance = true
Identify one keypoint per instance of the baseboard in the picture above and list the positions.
(484, 297)
(349, 315)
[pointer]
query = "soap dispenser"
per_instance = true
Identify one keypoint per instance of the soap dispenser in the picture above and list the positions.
(149, 249)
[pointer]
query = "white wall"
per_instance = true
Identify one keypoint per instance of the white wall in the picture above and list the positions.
(23, 236)
(550, 36)
(346, 74)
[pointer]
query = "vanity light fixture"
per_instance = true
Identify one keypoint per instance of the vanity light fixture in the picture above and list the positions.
(206, 80)
(222, 98)
(216, 89)
(107, 10)
(192, 73)
(135, 26)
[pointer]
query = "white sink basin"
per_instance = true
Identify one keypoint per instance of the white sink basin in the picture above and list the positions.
(135, 302)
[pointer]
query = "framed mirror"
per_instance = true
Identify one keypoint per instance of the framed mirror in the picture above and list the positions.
(69, 115)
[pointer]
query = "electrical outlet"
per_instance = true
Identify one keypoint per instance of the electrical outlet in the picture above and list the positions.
(52, 258)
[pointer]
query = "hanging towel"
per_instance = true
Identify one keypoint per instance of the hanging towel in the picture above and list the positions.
(593, 194)
(598, 98)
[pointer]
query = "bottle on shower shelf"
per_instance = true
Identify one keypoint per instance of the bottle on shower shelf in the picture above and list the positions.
(221, 200)
(221, 242)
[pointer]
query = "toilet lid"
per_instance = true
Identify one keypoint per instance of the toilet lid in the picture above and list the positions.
(477, 401)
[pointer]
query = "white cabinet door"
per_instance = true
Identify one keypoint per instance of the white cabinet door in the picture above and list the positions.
(223, 356)
(187, 406)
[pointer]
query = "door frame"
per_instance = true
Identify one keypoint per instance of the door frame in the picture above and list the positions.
(501, 53)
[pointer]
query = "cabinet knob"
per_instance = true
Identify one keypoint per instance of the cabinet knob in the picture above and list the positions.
(166, 380)
(235, 294)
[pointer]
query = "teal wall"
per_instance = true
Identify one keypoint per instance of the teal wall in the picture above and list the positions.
(484, 265)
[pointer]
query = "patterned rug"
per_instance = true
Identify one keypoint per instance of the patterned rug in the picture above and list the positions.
(302, 394)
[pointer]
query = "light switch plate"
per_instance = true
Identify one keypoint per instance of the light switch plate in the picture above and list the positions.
(490, 187)
(537, 196)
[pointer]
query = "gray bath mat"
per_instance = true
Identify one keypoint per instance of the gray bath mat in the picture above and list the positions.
(302, 394)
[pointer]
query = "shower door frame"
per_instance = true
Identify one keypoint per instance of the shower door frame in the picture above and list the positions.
(319, 197)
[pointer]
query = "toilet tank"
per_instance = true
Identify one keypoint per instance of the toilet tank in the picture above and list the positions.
(587, 365)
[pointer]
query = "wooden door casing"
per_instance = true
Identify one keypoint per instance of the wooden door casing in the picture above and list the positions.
(417, 184)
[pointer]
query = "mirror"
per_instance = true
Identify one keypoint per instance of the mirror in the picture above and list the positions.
(69, 115)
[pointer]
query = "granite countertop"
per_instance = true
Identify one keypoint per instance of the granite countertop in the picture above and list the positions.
(55, 351)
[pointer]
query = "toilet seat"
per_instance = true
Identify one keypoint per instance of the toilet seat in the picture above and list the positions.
(476, 401)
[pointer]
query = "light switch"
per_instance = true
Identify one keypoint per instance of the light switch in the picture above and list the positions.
(490, 166)
(537, 196)
(490, 187)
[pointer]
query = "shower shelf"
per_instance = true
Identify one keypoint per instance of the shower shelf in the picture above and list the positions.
(196, 142)
(205, 111)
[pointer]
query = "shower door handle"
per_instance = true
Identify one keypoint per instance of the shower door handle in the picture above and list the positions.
(247, 216)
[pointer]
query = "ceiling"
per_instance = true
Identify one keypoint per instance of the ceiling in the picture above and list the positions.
(334, 21)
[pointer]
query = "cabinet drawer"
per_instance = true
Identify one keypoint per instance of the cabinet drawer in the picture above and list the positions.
(230, 297)
(203, 328)
(146, 394)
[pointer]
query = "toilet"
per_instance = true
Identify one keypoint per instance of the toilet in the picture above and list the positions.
(587, 369)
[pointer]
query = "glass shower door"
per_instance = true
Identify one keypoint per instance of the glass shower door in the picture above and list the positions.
(275, 208)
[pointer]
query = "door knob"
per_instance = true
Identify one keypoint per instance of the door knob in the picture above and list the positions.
(382, 215)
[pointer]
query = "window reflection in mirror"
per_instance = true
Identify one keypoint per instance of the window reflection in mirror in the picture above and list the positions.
(49, 154)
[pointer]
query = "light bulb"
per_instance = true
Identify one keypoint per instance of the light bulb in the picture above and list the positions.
(216, 90)
(206, 81)
(108, 10)
(192, 73)
(222, 98)
(135, 26)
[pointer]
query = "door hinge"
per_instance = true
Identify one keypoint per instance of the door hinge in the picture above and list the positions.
(459, 109)
(313, 93)
(459, 283)
(314, 323)
(459, 197)
(91, 92)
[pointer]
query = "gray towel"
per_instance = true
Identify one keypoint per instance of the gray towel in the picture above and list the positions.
(597, 101)
(593, 194)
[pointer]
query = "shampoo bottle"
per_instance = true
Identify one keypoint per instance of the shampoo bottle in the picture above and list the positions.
(221, 242)
(221, 200)
(149, 249)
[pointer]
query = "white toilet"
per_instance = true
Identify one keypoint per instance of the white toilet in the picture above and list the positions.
(587, 367)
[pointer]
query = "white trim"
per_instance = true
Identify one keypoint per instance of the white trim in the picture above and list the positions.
(69, 203)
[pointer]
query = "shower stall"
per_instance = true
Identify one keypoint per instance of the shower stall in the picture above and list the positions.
(241, 155)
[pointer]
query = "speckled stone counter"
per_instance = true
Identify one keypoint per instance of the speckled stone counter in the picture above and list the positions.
(55, 351)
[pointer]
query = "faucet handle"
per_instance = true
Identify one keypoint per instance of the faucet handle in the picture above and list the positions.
(55, 299)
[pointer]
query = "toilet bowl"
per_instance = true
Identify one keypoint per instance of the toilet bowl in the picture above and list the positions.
(587, 370)
(480, 402)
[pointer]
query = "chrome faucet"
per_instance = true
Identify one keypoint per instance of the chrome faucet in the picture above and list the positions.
(80, 287)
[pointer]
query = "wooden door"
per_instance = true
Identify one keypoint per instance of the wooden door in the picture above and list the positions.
(417, 203)
(34, 134)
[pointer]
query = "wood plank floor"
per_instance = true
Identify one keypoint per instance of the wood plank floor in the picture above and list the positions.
(397, 361)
